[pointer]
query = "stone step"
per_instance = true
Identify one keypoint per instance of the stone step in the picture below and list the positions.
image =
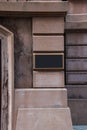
(44, 118)
(40, 98)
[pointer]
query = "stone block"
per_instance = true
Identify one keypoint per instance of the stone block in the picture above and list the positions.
(46, 0)
(77, 91)
(48, 25)
(76, 51)
(77, 7)
(33, 8)
(48, 43)
(40, 98)
(3, 0)
(44, 118)
(76, 78)
(76, 38)
(78, 111)
(48, 79)
(76, 17)
(76, 64)
(81, 25)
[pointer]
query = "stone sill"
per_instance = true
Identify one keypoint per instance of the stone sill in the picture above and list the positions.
(51, 8)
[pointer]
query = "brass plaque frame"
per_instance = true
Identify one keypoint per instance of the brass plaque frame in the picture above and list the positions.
(38, 69)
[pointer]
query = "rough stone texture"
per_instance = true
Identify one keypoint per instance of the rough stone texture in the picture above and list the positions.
(48, 79)
(40, 118)
(48, 25)
(7, 78)
(4, 87)
(23, 49)
(78, 109)
(48, 43)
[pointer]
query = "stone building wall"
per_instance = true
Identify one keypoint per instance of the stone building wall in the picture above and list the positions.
(76, 59)
(75, 54)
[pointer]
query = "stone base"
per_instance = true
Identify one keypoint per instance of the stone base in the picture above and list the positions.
(43, 119)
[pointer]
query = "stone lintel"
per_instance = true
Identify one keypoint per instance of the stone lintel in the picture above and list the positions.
(33, 8)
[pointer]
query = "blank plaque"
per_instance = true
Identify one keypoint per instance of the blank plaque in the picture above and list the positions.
(48, 61)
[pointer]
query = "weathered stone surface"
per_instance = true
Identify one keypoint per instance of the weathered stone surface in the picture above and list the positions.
(77, 7)
(40, 98)
(76, 78)
(32, 8)
(76, 38)
(11, 0)
(3, 0)
(27, 0)
(40, 118)
(46, 0)
(77, 91)
(7, 78)
(21, 27)
(48, 43)
(79, 111)
(48, 25)
(48, 79)
(76, 51)
(76, 64)
(4, 84)
(76, 25)
(76, 17)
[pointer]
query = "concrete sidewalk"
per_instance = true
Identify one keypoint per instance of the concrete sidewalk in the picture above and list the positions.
(80, 127)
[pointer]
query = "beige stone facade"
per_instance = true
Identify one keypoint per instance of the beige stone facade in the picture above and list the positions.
(50, 97)
(37, 98)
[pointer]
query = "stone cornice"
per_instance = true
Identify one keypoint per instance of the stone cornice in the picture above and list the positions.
(43, 8)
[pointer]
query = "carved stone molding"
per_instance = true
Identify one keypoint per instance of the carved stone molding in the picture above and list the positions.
(7, 86)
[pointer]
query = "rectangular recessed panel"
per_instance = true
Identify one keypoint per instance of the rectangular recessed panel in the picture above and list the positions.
(48, 61)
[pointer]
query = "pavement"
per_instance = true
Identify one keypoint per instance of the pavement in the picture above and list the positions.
(80, 127)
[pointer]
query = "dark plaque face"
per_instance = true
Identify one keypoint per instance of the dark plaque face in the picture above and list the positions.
(48, 61)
